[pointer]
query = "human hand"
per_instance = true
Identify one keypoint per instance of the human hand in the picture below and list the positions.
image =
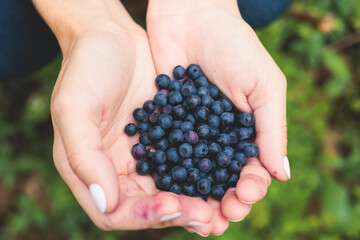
(213, 35)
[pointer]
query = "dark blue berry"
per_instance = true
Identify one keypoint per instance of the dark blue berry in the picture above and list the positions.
(172, 155)
(204, 131)
(203, 186)
(193, 101)
(153, 117)
(227, 119)
(139, 114)
(160, 99)
(144, 167)
(156, 133)
(175, 85)
(214, 91)
(223, 139)
(162, 144)
(246, 119)
(144, 139)
(175, 98)
(202, 91)
(149, 106)
(240, 146)
(217, 108)
(214, 149)
(179, 72)
(143, 127)
(223, 159)
(130, 129)
(193, 71)
(176, 137)
(204, 141)
(175, 188)
(167, 109)
(187, 163)
(233, 179)
(179, 174)
(188, 89)
(162, 81)
(217, 191)
(221, 175)
(190, 117)
(251, 150)
(201, 81)
(214, 133)
(179, 112)
(159, 157)
(213, 121)
(200, 150)
(188, 189)
(187, 126)
(150, 152)
(177, 124)
(196, 161)
(244, 133)
(210, 178)
(202, 113)
(138, 151)
(164, 182)
(241, 157)
(185, 150)
(235, 166)
(206, 101)
(165, 121)
(205, 165)
(161, 169)
(229, 151)
(193, 175)
(233, 138)
(191, 137)
(202, 174)
(227, 104)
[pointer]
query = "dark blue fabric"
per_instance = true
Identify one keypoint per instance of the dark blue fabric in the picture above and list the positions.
(26, 43)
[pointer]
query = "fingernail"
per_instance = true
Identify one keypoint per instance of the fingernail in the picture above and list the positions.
(248, 203)
(195, 224)
(170, 217)
(99, 197)
(198, 233)
(287, 166)
(236, 220)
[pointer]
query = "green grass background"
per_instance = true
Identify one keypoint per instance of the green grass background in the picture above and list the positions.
(322, 199)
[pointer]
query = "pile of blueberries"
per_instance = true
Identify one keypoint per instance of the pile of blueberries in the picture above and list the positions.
(191, 136)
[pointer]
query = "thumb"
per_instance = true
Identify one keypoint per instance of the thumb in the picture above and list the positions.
(83, 144)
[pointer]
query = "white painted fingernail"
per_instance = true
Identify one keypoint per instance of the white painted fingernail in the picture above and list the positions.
(195, 224)
(170, 217)
(248, 203)
(99, 197)
(237, 220)
(287, 166)
(198, 232)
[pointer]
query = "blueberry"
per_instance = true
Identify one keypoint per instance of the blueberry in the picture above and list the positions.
(153, 117)
(201, 81)
(202, 114)
(167, 109)
(233, 138)
(177, 124)
(210, 178)
(188, 89)
(214, 149)
(149, 106)
(223, 139)
(245, 133)
(187, 126)
(188, 189)
(217, 191)
(204, 141)
(196, 161)
(175, 188)
(144, 139)
(202, 174)
(162, 81)
(213, 121)
(202, 91)
(185, 150)
(221, 175)
(246, 119)
(240, 146)
(144, 167)
(165, 121)
(179, 72)
(251, 150)
(205, 165)
(187, 163)
(227, 119)
(193, 175)
(139, 114)
(161, 169)
(229, 151)
(241, 157)
(223, 159)
(191, 137)
(214, 133)
(150, 152)
(143, 127)
(172, 155)
(175, 85)
(235, 166)
(193, 101)
(217, 108)
(200, 150)
(179, 174)
(233, 179)
(193, 71)
(175, 98)
(179, 112)
(190, 117)
(228, 105)
(162, 144)
(156, 133)
(159, 157)
(203, 186)
(164, 91)
(130, 129)
(176, 137)
(138, 151)
(160, 99)
(206, 101)
(164, 182)
(214, 91)
(204, 131)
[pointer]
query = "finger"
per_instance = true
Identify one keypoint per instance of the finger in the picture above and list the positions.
(253, 183)
(220, 223)
(81, 137)
(231, 207)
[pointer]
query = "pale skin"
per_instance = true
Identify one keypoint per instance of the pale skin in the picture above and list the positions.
(108, 70)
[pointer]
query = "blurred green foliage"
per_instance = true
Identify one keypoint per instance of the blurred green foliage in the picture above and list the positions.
(322, 199)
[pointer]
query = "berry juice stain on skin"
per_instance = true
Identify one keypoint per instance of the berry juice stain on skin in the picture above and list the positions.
(145, 212)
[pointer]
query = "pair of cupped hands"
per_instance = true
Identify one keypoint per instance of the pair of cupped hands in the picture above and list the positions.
(109, 70)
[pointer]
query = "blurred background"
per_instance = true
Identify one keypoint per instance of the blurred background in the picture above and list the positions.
(316, 44)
